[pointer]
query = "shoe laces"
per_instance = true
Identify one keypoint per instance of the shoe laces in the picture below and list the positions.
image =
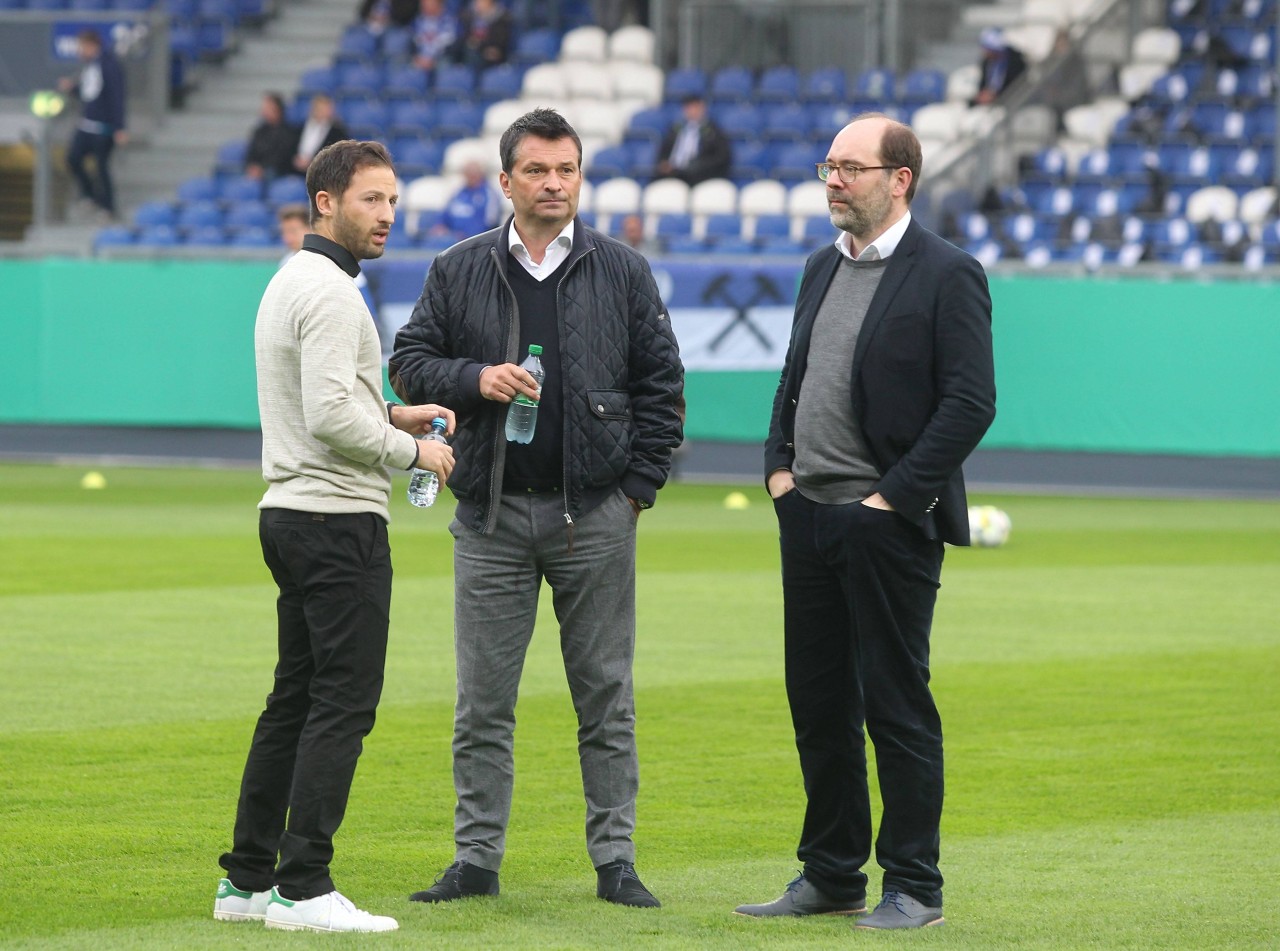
(454, 869)
(796, 882)
(346, 903)
(894, 899)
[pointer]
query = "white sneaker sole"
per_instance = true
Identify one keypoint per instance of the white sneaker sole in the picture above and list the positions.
(237, 916)
(298, 926)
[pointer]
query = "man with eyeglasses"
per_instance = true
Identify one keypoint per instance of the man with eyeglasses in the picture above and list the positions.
(888, 386)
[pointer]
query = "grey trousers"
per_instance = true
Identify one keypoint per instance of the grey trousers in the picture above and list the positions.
(496, 583)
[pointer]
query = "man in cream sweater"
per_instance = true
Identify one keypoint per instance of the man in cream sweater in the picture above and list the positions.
(327, 438)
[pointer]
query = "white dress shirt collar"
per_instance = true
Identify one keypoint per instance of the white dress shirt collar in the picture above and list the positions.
(881, 247)
(557, 251)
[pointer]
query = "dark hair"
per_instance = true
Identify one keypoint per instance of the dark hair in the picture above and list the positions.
(899, 148)
(540, 123)
(90, 36)
(291, 212)
(334, 166)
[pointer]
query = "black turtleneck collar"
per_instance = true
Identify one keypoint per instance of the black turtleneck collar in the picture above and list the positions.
(333, 251)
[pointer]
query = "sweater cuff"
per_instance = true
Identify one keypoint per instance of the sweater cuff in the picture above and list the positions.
(639, 488)
(469, 381)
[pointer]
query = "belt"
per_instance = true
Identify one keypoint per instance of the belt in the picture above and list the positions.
(530, 490)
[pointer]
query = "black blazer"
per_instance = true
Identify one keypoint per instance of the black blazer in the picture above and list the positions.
(923, 376)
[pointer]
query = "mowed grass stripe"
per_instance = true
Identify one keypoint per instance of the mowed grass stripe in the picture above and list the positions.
(1106, 683)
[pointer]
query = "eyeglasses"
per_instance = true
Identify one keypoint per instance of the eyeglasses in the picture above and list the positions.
(847, 173)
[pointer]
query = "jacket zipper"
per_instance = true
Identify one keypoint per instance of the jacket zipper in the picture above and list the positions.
(564, 453)
(499, 438)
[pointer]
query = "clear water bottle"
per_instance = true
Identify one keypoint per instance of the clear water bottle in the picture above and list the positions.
(522, 416)
(424, 484)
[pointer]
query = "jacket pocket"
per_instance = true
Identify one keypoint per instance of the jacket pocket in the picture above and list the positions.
(609, 404)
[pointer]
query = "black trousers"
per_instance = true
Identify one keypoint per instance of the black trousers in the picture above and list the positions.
(859, 587)
(97, 189)
(334, 575)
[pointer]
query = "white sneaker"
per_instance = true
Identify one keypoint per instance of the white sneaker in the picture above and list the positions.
(232, 904)
(331, 912)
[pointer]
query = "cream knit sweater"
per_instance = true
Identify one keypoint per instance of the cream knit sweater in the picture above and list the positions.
(325, 436)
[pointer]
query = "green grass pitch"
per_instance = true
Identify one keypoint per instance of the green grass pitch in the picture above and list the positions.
(1107, 683)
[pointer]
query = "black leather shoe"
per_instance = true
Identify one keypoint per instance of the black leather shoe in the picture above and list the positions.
(618, 882)
(459, 880)
(802, 897)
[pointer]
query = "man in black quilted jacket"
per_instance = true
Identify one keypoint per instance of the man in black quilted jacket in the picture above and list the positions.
(562, 507)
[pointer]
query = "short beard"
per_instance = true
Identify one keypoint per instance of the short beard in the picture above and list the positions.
(866, 216)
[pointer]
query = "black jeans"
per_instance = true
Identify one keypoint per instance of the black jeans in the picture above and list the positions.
(99, 146)
(859, 587)
(334, 575)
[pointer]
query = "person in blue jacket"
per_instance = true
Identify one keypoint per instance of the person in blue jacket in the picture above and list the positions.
(101, 90)
(474, 208)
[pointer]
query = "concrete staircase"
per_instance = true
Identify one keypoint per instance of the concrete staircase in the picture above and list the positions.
(223, 108)
(961, 47)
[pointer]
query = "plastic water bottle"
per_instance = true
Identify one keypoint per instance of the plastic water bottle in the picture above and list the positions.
(424, 484)
(522, 416)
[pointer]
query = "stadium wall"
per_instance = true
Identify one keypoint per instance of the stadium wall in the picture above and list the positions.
(1124, 365)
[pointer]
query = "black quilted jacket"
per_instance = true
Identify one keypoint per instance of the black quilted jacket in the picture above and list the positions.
(623, 380)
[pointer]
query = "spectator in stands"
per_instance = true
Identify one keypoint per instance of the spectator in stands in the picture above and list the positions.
(1001, 67)
(611, 14)
(474, 208)
(100, 89)
(485, 40)
(322, 128)
(435, 31)
(272, 143)
(379, 15)
(1069, 85)
(633, 233)
(695, 148)
(295, 224)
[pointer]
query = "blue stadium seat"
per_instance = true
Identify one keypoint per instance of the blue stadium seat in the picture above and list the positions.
(922, 86)
(410, 118)
(795, 163)
(826, 119)
(249, 214)
(452, 81)
(732, 84)
(724, 225)
(825, 85)
(684, 81)
(1248, 42)
(199, 214)
(787, 122)
(730, 245)
(404, 81)
(644, 156)
(1025, 228)
(114, 236)
(230, 157)
(613, 161)
(650, 124)
(751, 160)
(741, 122)
(1095, 166)
(500, 82)
(1051, 163)
(780, 84)
(367, 118)
(974, 226)
(536, 46)
(360, 80)
(92, 6)
(1261, 127)
(819, 228)
(1246, 167)
(683, 244)
(356, 45)
(457, 120)
(239, 188)
(780, 244)
(252, 237)
(46, 5)
(212, 236)
(419, 157)
(1057, 200)
(322, 79)
(876, 85)
(773, 226)
(673, 225)
(214, 39)
(158, 235)
(198, 189)
(289, 190)
(396, 46)
(1170, 233)
(151, 214)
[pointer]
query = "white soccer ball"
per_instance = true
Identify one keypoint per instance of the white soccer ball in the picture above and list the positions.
(989, 526)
